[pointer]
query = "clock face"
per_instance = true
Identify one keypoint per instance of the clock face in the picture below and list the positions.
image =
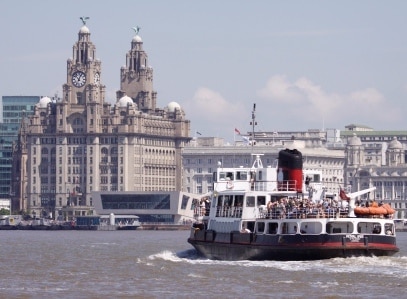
(79, 79)
(96, 78)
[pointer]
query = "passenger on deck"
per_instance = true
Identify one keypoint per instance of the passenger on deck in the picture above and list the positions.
(245, 230)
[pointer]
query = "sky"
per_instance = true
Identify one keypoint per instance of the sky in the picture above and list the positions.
(312, 64)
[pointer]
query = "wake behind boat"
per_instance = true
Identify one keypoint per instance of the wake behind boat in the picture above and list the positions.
(283, 213)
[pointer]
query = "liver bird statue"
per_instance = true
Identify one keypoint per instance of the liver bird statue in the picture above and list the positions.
(84, 20)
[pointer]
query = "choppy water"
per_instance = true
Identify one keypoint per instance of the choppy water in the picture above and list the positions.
(161, 264)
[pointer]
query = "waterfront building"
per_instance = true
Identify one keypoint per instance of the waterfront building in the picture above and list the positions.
(381, 165)
(80, 143)
(14, 109)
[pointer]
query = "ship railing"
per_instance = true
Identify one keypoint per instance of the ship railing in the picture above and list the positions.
(288, 185)
(281, 213)
(257, 185)
(229, 212)
(201, 211)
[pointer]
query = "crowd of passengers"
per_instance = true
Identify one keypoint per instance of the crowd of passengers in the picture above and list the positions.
(307, 208)
(304, 208)
(299, 208)
(287, 208)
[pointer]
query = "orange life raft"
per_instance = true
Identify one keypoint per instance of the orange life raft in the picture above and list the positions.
(384, 209)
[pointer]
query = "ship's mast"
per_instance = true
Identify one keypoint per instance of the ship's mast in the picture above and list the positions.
(253, 123)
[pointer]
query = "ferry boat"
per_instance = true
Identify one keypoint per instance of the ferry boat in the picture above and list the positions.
(10, 222)
(107, 222)
(282, 212)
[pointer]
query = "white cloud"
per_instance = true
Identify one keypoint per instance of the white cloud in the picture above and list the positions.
(306, 104)
(210, 112)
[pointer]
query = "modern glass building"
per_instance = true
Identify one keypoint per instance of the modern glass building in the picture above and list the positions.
(164, 207)
(14, 108)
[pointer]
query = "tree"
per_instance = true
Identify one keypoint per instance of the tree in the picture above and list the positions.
(4, 211)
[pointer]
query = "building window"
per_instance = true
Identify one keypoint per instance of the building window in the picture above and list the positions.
(79, 98)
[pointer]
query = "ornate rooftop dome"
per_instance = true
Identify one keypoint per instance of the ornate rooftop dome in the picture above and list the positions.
(395, 144)
(137, 39)
(172, 106)
(84, 29)
(44, 101)
(354, 140)
(124, 101)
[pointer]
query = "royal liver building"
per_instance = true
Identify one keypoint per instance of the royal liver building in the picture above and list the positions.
(80, 143)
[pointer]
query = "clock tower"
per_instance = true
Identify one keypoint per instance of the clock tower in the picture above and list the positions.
(83, 85)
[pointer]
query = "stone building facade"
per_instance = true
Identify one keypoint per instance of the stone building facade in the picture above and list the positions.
(380, 165)
(81, 143)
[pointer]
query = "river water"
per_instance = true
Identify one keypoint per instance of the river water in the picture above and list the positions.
(161, 264)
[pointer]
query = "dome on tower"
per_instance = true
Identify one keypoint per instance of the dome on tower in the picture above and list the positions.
(354, 140)
(172, 106)
(395, 144)
(137, 39)
(44, 101)
(124, 101)
(84, 29)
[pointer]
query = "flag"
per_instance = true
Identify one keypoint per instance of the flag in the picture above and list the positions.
(198, 133)
(237, 131)
(246, 140)
(343, 195)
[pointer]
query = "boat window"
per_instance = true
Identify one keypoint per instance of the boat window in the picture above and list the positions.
(311, 228)
(339, 227)
(220, 200)
(238, 200)
(369, 228)
(260, 227)
(289, 228)
(229, 175)
(388, 229)
(250, 201)
(261, 200)
(316, 178)
(249, 225)
(228, 200)
(225, 175)
(241, 175)
(272, 228)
